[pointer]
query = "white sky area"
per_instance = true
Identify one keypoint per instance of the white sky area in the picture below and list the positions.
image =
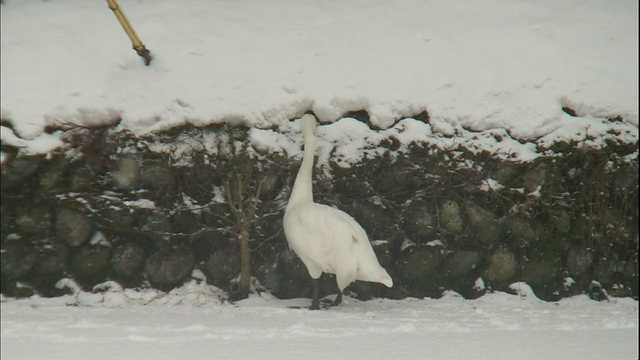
(488, 65)
(191, 323)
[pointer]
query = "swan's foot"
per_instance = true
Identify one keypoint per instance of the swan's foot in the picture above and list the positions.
(315, 302)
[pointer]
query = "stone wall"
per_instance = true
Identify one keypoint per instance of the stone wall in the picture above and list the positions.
(146, 212)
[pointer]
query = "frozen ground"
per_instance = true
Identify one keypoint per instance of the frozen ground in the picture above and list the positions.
(191, 323)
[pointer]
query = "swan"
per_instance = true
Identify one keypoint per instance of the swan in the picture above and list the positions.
(326, 239)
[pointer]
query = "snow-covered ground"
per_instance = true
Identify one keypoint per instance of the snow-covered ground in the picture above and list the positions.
(481, 65)
(192, 323)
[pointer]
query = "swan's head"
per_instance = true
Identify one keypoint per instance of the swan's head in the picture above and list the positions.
(308, 123)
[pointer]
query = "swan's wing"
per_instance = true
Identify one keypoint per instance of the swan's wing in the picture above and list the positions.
(330, 224)
(331, 241)
(322, 235)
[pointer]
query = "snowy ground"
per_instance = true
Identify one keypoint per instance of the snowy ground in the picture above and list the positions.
(192, 323)
(481, 65)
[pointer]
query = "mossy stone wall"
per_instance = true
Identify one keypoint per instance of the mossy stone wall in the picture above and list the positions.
(113, 206)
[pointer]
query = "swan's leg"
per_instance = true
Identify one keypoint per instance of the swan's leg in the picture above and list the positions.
(315, 303)
(338, 299)
(344, 276)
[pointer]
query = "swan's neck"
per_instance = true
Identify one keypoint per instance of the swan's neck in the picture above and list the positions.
(302, 189)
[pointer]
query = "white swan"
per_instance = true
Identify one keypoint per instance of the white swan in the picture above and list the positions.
(327, 239)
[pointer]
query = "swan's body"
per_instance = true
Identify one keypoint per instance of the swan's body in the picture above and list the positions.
(327, 239)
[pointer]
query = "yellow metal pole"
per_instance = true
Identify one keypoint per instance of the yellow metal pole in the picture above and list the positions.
(138, 46)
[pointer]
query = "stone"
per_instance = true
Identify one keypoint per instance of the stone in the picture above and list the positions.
(627, 178)
(19, 168)
(127, 261)
(72, 227)
(418, 221)
(222, 266)
(543, 270)
(373, 218)
(605, 269)
(561, 221)
(34, 219)
(264, 266)
(50, 268)
(420, 262)
(169, 269)
(579, 260)
(389, 177)
(451, 217)
(292, 266)
(186, 222)
(505, 173)
(81, 179)
(461, 262)
(118, 216)
(52, 174)
(272, 184)
(383, 253)
(157, 177)
(521, 230)
(483, 224)
(535, 177)
(7, 222)
(90, 263)
(52, 260)
(630, 267)
(18, 258)
(156, 222)
(126, 174)
(348, 183)
(502, 266)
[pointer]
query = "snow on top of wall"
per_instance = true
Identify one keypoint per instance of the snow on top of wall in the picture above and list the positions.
(482, 69)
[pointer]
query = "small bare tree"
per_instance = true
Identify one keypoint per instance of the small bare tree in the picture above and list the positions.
(243, 201)
(246, 188)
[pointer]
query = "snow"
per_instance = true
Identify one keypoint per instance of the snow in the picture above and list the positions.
(196, 322)
(482, 69)
(492, 74)
(140, 204)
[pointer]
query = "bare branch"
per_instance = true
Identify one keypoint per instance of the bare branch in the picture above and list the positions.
(267, 239)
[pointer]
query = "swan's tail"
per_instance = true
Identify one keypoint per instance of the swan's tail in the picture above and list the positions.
(386, 279)
(374, 273)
